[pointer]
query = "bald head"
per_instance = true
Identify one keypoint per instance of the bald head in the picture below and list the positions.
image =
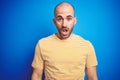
(64, 6)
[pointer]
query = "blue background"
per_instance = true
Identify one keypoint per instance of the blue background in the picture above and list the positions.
(24, 22)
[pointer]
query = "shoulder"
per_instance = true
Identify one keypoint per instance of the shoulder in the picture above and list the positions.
(46, 40)
(82, 40)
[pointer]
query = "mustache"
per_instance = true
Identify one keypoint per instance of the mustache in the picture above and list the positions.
(64, 28)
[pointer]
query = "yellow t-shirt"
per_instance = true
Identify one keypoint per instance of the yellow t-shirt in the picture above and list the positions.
(64, 59)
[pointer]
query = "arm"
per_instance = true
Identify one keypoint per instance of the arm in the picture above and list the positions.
(36, 75)
(91, 73)
(37, 64)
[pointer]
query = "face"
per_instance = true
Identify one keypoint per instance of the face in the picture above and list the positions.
(64, 21)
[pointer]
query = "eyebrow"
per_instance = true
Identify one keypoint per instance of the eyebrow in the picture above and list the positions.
(59, 16)
(69, 16)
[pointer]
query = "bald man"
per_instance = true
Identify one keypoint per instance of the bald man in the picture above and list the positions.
(64, 55)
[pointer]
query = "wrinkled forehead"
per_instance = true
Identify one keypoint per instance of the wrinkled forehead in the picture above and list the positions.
(64, 9)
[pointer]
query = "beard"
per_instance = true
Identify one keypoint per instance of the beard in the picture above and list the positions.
(64, 32)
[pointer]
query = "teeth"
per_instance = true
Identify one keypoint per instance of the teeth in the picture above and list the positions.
(64, 30)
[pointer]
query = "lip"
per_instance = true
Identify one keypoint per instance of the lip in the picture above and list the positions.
(64, 31)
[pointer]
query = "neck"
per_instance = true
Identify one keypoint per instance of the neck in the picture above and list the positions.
(61, 38)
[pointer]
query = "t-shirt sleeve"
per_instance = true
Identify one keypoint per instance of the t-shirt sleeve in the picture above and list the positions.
(38, 60)
(91, 59)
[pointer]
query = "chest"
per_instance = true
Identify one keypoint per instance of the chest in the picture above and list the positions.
(65, 54)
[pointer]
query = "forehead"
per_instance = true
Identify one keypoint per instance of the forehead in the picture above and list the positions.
(64, 10)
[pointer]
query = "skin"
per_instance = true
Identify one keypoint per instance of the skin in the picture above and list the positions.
(64, 21)
(37, 74)
(91, 73)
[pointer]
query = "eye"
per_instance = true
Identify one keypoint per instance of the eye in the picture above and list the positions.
(69, 19)
(59, 19)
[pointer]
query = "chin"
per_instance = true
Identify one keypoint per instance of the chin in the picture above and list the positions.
(65, 37)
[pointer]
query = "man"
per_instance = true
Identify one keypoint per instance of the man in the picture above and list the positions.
(64, 56)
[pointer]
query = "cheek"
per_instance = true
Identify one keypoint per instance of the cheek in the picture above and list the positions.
(58, 25)
(71, 25)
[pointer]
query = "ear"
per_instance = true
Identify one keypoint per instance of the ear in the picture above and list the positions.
(75, 20)
(54, 21)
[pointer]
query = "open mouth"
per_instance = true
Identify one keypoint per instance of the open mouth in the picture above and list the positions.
(64, 31)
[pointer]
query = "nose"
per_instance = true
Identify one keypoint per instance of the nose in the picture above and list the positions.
(64, 23)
